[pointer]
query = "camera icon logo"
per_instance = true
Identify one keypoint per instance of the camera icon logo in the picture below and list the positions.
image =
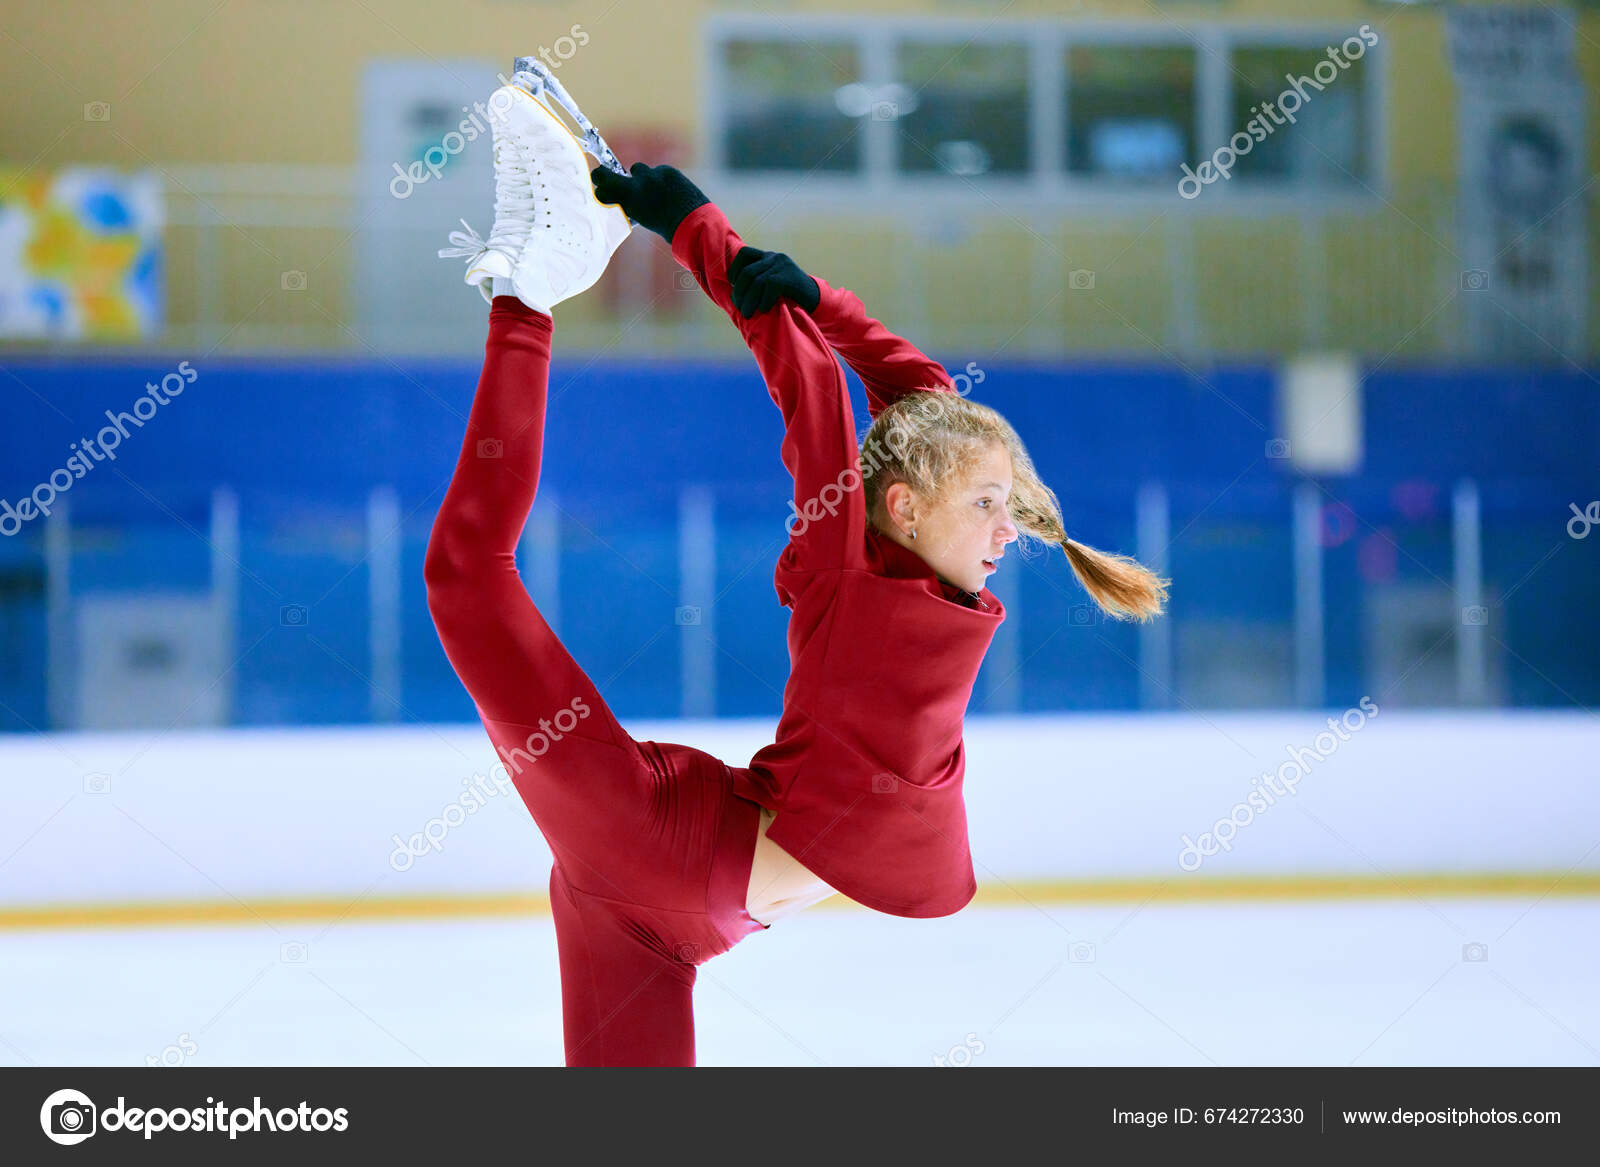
(686, 615)
(1082, 614)
(1476, 952)
(1475, 614)
(293, 615)
(491, 448)
(688, 953)
(684, 280)
(97, 783)
(68, 1117)
(1474, 280)
(885, 784)
(293, 952)
(1081, 280)
(1278, 448)
(1081, 952)
(882, 103)
(293, 281)
(97, 111)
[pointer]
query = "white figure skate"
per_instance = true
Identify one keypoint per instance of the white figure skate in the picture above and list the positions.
(551, 238)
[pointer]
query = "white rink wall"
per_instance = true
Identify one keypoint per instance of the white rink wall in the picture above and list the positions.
(241, 814)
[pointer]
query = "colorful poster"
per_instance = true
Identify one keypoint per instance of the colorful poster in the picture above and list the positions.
(80, 254)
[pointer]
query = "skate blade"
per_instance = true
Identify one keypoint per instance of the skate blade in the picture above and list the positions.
(529, 74)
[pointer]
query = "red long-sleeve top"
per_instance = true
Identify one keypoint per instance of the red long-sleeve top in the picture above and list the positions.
(865, 774)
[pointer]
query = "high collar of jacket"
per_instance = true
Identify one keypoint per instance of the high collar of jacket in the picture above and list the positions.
(900, 562)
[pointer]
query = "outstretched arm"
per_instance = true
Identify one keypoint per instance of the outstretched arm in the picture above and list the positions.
(805, 381)
(802, 376)
(889, 366)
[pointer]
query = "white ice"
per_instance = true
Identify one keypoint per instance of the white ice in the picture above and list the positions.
(1297, 983)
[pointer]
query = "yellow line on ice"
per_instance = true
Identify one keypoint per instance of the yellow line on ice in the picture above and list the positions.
(1018, 893)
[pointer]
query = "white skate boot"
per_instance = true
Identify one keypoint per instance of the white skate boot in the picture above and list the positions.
(551, 238)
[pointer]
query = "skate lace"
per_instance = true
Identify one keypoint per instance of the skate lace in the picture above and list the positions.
(523, 199)
(468, 243)
(513, 204)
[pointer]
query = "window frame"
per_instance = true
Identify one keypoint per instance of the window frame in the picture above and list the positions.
(1049, 183)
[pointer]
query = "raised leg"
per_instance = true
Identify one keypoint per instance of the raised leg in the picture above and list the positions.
(571, 761)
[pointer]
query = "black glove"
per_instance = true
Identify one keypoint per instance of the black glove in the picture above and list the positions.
(658, 198)
(761, 278)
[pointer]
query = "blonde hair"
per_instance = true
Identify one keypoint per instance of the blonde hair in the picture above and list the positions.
(931, 441)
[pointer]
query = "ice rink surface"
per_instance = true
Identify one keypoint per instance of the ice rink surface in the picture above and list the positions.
(1370, 983)
(1403, 975)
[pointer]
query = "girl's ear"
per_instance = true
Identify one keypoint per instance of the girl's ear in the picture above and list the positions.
(897, 501)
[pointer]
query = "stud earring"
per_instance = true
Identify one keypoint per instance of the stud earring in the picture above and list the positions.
(913, 534)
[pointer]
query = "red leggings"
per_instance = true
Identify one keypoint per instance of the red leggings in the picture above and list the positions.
(652, 848)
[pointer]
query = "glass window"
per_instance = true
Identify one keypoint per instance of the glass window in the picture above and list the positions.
(1326, 141)
(1131, 111)
(959, 109)
(783, 105)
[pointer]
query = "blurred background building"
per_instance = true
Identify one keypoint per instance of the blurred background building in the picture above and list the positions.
(1337, 386)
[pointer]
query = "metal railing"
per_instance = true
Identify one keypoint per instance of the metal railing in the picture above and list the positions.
(264, 257)
(278, 609)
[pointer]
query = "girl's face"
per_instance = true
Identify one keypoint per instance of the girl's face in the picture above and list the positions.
(962, 536)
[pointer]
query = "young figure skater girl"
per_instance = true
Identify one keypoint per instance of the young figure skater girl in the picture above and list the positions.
(664, 855)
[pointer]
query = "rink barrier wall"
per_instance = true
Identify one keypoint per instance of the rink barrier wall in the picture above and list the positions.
(629, 439)
(158, 829)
